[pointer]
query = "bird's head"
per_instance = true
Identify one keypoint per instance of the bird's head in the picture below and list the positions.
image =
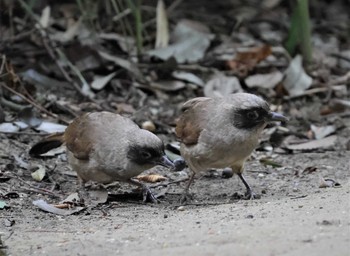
(148, 150)
(252, 112)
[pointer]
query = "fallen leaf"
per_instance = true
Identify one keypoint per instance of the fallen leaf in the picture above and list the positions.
(245, 60)
(55, 151)
(39, 174)
(188, 77)
(100, 82)
(328, 183)
(151, 178)
(127, 44)
(162, 36)
(323, 131)
(190, 40)
(52, 209)
(296, 80)
(8, 127)
(51, 127)
(45, 17)
(222, 86)
(267, 81)
(314, 144)
(126, 64)
(168, 86)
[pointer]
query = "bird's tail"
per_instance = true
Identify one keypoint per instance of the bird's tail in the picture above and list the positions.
(45, 145)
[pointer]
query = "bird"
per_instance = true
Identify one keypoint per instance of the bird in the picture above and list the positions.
(105, 147)
(222, 132)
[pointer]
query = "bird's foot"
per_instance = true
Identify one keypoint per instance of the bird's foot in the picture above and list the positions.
(148, 195)
(249, 195)
(185, 198)
(84, 196)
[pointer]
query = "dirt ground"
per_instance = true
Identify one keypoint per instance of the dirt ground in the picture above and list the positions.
(304, 207)
(293, 216)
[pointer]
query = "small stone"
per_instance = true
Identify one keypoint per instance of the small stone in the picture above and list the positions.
(249, 216)
(227, 173)
(165, 216)
(261, 175)
(149, 126)
(181, 208)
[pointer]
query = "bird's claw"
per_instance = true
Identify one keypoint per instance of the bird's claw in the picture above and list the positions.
(148, 195)
(250, 195)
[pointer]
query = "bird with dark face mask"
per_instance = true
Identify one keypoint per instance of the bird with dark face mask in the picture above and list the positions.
(222, 132)
(106, 147)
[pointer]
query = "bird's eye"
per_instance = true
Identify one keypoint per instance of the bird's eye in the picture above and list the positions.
(252, 115)
(146, 155)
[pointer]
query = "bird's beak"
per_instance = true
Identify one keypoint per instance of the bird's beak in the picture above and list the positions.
(273, 116)
(165, 161)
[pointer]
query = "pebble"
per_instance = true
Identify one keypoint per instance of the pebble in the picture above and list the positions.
(227, 173)
(149, 126)
(181, 208)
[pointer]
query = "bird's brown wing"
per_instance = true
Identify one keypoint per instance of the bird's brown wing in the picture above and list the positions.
(77, 139)
(193, 119)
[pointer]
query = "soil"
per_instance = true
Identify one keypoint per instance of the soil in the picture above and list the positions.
(304, 207)
(293, 216)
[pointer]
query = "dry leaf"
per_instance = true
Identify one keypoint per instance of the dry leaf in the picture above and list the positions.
(51, 127)
(127, 44)
(188, 77)
(39, 174)
(8, 127)
(126, 64)
(246, 60)
(328, 183)
(222, 86)
(151, 178)
(190, 41)
(50, 208)
(168, 86)
(323, 131)
(100, 82)
(296, 80)
(314, 144)
(267, 81)
(45, 17)
(162, 38)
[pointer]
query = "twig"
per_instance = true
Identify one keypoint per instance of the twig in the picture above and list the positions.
(314, 91)
(33, 103)
(35, 189)
(298, 197)
(24, 133)
(339, 56)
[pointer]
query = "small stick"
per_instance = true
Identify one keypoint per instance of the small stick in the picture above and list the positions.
(33, 103)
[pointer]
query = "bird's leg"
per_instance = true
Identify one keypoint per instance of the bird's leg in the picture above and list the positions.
(83, 194)
(146, 191)
(184, 196)
(249, 193)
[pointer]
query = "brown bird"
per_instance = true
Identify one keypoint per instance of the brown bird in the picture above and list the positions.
(222, 132)
(106, 147)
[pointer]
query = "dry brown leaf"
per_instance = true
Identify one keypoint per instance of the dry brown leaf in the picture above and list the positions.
(151, 178)
(245, 61)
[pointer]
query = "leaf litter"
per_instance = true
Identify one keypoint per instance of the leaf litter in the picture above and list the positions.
(243, 64)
